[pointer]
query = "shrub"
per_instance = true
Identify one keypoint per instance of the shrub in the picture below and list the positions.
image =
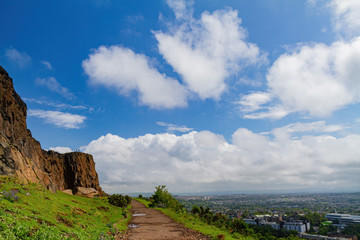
(195, 210)
(119, 200)
(128, 199)
(162, 197)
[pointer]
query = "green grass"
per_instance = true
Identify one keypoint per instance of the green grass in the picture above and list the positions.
(143, 201)
(41, 214)
(193, 222)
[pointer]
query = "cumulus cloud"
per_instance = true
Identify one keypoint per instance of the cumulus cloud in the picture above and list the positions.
(61, 149)
(346, 16)
(55, 86)
(318, 79)
(20, 58)
(205, 161)
(206, 51)
(315, 79)
(59, 119)
(174, 128)
(119, 68)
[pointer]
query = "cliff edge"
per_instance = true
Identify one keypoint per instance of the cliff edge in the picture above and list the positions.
(21, 155)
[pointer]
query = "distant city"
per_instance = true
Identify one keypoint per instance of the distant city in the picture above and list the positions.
(312, 215)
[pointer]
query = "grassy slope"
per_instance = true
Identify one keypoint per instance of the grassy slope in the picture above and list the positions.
(195, 223)
(41, 214)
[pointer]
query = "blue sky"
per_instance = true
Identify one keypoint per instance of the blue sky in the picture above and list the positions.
(197, 95)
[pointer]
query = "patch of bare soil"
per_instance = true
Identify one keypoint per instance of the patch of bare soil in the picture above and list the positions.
(152, 224)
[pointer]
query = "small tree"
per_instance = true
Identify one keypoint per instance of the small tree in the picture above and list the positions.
(162, 197)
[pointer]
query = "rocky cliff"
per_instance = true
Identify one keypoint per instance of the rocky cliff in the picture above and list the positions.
(21, 155)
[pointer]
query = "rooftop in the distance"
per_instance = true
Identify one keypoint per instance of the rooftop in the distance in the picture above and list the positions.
(343, 217)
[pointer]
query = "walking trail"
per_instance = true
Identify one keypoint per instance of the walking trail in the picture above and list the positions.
(152, 224)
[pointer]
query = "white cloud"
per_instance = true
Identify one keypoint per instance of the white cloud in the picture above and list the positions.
(206, 51)
(312, 127)
(182, 9)
(346, 16)
(272, 112)
(120, 68)
(204, 161)
(59, 119)
(47, 64)
(20, 58)
(55, 86)
(318, 79)
(315, 79)
(255, 106)
(61, 149)
(59, 105)
(253, 101)
(174, 128)
(319, 126)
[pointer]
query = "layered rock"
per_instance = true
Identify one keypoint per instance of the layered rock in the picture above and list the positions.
(21, 155)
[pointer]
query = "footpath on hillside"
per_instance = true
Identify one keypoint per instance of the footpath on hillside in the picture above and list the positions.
(152, 224)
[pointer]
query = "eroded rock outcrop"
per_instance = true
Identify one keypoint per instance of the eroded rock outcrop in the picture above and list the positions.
(21, 155)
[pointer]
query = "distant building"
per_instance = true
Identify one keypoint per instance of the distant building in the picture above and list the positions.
(299, 226)
(251, 221)
(343, 218)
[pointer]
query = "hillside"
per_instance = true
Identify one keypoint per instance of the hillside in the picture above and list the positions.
(28, 211)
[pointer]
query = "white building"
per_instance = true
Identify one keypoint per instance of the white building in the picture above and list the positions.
(298, 226)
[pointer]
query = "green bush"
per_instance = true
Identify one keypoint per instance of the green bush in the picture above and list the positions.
(119, 200)
(195, 210)
(162, 198)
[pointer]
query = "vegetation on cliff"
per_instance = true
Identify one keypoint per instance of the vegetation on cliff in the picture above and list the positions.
(29, 211)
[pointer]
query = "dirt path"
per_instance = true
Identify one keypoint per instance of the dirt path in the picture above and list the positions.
(152, 224)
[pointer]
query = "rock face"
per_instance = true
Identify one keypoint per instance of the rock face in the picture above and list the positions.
(21, 155)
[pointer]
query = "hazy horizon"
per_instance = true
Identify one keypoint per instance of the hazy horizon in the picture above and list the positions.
(230, 193)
